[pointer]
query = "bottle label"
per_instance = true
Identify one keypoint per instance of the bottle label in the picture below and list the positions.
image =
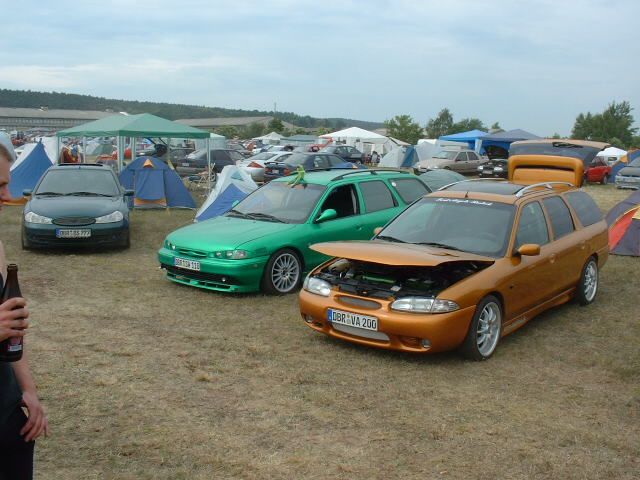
(15, 348)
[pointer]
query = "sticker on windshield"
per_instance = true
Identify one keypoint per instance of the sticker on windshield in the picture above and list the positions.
(464, 200)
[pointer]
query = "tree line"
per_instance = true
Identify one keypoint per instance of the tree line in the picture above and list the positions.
(614, 125)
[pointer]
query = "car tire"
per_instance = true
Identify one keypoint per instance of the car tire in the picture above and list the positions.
(589, 281)
(605, 180)
(24, 242)
(283, 272)
(487, 320)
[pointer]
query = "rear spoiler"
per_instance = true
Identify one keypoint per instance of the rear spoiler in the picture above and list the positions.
(530, 169)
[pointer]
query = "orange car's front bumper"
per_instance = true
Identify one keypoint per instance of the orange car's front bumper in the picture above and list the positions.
(403, 331)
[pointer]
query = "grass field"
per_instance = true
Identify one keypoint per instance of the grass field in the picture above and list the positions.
(146, 379)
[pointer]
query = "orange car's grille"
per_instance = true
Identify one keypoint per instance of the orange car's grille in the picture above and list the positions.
(359, 302)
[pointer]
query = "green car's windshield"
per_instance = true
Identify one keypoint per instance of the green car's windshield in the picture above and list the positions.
(446, 154)
(463, 224)
(78, 181)
(280, 201)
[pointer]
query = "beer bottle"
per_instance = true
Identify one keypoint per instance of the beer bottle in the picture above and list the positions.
(11, 348)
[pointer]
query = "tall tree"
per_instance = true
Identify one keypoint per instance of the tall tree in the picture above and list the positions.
(614, 124)
(441, 125)
(467, 124)
(254, 129)
(275, 125)
(228, 131)
(404, 128)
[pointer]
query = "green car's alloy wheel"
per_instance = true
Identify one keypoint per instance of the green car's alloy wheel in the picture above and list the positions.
(282, 273)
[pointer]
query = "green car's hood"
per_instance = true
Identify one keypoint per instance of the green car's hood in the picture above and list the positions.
(227, 233)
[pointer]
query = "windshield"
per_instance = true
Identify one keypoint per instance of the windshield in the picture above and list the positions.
(296, 159)
(635, 163)
(281, 201)
(262, 156)
(468, 225)
(73, 180)
(446, 154)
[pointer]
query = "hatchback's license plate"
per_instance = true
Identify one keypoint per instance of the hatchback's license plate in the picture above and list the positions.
(73, 232)
(188, 264)
(352, 319)
(185, 164)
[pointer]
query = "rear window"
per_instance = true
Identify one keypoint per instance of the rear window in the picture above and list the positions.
(559, 215)
(586, 209)
(377, 196)
(410, 188)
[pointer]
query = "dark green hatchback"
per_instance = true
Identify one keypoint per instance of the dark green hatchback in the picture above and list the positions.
(76, 205)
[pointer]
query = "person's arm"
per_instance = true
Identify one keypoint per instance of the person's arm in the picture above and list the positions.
(37, 422)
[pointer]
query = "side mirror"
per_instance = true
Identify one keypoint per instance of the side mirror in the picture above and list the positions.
(27, 192)
(129, 193)
(377, 230)
(529, 250)
(328, 214)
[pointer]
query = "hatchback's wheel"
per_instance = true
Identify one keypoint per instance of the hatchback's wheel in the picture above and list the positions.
(485, 330)
(588, 286)
(605, 180)
(25, 243)
(282, 273)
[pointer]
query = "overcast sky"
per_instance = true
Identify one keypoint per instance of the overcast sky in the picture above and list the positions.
(526, 64)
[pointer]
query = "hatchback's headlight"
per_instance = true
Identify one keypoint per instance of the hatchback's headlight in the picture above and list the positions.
(111, 218)
(233, 254)
(317, 286)
(424, 305)
(32, 217)
(498, 169)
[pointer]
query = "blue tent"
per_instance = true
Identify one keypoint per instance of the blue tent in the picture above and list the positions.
(504, 140)
(232, 185)
(155, 184)
(28, 172)
(470, 137)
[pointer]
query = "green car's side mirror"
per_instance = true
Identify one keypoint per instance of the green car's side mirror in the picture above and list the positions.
(529, 249)
(129, 193)
(328, 214)
(27, 192)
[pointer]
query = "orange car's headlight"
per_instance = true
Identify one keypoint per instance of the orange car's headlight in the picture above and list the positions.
(317, 286)
(424, 305)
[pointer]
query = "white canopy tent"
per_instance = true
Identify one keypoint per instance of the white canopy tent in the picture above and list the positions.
(353, 134)
(272, 138)
(612, 154)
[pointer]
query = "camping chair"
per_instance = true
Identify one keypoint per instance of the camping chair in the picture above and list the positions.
(200, 181)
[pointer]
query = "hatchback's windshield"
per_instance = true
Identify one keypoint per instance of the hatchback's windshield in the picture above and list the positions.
(73, 180)
(473, 226)
(445, 154)
(279, 201)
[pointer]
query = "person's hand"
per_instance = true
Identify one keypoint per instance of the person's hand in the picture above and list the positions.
(14, 316)
(38, 423)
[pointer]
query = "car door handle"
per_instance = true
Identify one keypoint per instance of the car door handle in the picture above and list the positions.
(583, 245)
(552, 258)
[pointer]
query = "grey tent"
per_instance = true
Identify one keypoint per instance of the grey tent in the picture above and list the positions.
(497, 144)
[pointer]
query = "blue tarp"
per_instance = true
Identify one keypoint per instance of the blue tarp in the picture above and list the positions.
(470, 137)
(223, 203)
(157, 182)
(28, 172)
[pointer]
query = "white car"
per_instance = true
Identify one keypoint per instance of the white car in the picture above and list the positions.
(254, 165)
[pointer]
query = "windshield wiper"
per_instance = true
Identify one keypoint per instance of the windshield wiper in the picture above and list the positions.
(264, 216)
(90, 194)
(237, 213)
(439, 245)
(389, 239)
(50, 193)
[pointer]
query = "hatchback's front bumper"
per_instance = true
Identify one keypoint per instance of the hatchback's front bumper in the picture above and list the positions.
(102, 234)
(628, 182)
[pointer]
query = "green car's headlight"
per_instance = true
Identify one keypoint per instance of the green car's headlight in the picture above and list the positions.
(111, 218)
(170, 245)
(32, 217)
(233, 254)
(317, 286)
(424, 305)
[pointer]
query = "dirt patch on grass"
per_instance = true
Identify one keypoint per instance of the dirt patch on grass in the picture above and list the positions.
(146, 379)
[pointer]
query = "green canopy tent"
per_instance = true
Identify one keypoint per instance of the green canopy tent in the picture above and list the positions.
(136, 126)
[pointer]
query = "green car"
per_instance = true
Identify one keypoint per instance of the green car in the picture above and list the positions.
(263, 242)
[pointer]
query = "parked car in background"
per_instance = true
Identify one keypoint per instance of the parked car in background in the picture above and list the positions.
(436, 179)
(350, 154)
(308, 161)
(263, 242)
(464, 266)
(629, 176)
(196, 162)
(254, 165)
(239, 148)
(598, 171)
(494, 168)
(76, 205)
(461, 161)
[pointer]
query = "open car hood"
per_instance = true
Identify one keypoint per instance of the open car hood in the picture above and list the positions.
(400, 254)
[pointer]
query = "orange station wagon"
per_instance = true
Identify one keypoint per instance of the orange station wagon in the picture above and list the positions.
(470, 263)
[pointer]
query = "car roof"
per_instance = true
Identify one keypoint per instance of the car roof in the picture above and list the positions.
(500, 191)
(325, 177)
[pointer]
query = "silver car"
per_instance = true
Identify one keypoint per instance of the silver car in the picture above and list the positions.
(461, 161)
(629, 176)
(254, 165)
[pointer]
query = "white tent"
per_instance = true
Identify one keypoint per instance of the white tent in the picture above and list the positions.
(354, 134)
(612, 154)
(50, 147)
(394, 158)
(272, 138)
(233, 184)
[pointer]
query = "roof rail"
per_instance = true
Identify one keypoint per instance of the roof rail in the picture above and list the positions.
(472, 180)
(548, 185)
(370, 171)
